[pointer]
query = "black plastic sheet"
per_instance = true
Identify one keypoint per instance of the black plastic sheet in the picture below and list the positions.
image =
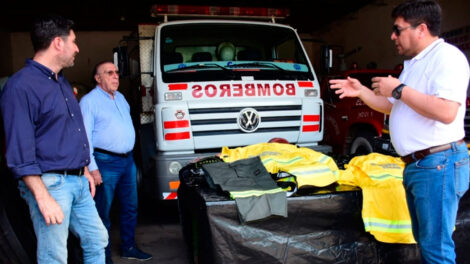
(323, 226)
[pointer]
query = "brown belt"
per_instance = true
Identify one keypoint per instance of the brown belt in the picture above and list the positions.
(423, 153)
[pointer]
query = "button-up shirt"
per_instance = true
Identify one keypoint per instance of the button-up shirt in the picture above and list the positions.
(43, 124)
(108, 122)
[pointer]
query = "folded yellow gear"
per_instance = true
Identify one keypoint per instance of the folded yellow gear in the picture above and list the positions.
(310, 167)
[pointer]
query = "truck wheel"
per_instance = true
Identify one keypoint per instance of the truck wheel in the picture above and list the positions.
(11, 249)
(17, 238)
(362, 144)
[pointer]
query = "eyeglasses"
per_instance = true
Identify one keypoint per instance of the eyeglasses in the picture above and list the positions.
(397, 30)
(110, 73)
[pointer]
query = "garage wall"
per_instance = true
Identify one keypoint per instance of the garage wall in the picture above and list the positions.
(21, 49)
(5, 54)
(94, 47)
(370, 28)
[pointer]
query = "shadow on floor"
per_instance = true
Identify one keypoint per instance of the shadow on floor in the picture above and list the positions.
(158, 233)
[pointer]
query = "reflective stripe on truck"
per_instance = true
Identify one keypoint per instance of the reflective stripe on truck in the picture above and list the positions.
(170, 195)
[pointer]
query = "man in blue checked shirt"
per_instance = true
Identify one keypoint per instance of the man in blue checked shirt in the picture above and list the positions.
(47, 148)
(111, 136)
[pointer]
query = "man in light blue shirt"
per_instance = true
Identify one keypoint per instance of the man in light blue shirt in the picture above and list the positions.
(111, 137)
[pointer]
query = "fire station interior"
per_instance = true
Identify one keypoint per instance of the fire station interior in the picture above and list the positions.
(358, 32)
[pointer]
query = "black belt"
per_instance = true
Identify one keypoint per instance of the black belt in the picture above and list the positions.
(78, 172)
(124, 155)
(423, 153)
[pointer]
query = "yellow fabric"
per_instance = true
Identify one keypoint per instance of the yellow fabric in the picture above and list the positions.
(384, 208)
(384, 211)
(310, 167)
(250, 193)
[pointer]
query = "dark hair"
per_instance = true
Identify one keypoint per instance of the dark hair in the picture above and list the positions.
(416, 12)
(46, 28)
(95, 70)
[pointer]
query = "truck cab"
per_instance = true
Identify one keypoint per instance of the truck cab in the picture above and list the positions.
(350, 125)
(210, 83)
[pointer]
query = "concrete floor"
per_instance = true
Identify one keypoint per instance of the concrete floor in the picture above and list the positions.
(158, 233)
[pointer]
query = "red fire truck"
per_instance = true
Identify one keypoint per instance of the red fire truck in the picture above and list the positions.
(350, 125)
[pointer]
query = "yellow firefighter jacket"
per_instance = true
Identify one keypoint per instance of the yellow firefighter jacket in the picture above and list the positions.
(311, 168)
(384, 209)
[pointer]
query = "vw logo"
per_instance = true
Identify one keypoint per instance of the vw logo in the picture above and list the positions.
(249, 120)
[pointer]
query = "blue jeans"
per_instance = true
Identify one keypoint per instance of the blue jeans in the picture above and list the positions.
(434, 186)
(119, 177)
(72, 193)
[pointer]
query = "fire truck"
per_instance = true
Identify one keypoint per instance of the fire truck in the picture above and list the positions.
(351, 127)
(205, 83)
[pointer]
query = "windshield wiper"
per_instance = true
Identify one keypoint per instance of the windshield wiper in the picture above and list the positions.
(262, 64)
(201, 66)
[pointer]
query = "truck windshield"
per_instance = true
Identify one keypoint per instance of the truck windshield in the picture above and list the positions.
(226, 51)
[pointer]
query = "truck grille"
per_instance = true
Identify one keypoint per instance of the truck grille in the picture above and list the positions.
(223, 120)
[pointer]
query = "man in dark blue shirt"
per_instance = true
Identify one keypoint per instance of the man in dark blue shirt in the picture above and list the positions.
(47, 147)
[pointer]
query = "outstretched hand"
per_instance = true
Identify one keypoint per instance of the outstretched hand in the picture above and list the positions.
(384, 85)
(349, 87)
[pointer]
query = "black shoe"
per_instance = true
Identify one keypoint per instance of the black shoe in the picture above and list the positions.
(135, 253)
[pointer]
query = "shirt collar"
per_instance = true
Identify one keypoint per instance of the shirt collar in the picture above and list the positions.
(104, 92)
(43, 69)
(425, 51)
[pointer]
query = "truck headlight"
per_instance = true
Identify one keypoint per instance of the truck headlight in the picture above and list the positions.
(174, 167)
(173, 96)
(311, 92)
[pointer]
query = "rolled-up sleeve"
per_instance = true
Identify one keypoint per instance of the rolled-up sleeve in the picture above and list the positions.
(18, 119)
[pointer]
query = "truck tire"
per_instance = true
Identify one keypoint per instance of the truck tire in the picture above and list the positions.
(17, 238)
(362, 143)
(11, 249)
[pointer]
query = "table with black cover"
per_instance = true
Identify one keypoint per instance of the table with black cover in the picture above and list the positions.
(324, 225)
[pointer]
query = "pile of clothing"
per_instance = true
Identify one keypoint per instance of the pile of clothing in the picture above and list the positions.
(260, 177)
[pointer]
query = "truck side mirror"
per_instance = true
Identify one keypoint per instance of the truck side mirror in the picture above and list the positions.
(326, 58)
(121, 60)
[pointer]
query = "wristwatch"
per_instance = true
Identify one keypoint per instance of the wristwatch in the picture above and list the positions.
(396, 93)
